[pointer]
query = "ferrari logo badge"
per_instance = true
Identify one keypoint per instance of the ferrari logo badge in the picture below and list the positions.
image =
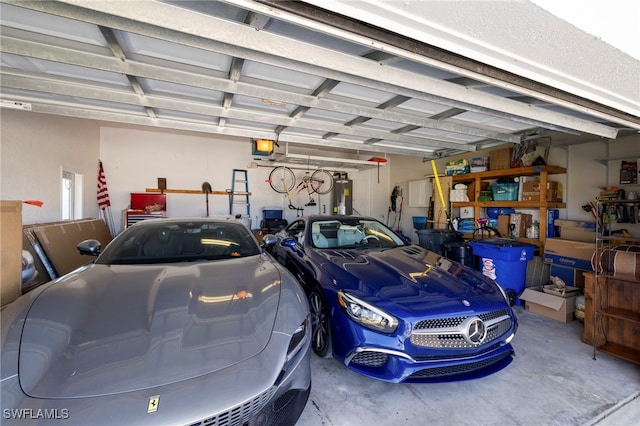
(153, 404)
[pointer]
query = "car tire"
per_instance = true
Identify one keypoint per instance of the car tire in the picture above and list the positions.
(320, 327)
(511, 296)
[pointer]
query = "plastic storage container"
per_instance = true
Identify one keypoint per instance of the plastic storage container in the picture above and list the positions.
(419, 222)
(433, 239)
(505, 261)
(459, 251)
(505, 191)
(272, 213)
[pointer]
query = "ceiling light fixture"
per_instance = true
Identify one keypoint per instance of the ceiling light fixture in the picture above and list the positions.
(262, 147)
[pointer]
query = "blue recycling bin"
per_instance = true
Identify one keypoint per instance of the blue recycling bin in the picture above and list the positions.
(505, 261)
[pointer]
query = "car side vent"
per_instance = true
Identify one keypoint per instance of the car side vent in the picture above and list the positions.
(343, 253)
(413, 251)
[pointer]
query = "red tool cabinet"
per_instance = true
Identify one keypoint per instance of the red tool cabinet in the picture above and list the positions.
(146, 206)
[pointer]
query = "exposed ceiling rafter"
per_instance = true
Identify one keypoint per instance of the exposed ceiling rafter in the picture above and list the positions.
(275, 70)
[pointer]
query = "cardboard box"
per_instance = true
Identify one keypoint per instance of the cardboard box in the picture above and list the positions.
(503, 225)
(10, 251)
(520, 220)
(59, 241)
(555, 307)
(575, 234)
(574, 254)
(500, 159)
(531, 191)
(576, 230)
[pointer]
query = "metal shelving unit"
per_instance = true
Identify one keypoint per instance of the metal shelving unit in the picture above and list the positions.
(616, 296)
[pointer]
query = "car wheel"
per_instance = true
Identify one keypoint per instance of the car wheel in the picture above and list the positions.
(320, 331)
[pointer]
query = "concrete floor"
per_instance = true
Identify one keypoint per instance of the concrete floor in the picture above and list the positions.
(553, 380)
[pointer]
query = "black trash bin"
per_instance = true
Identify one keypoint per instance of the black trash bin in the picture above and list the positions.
(433, 239)
(459, 251)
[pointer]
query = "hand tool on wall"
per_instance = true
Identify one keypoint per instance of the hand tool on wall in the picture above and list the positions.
(206, 188)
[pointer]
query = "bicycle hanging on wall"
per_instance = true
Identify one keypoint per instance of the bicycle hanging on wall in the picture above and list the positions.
(283, 180)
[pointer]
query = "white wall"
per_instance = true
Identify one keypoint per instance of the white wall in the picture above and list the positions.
(34, 149)
(615, 151)
(405, 169)
(135, 157)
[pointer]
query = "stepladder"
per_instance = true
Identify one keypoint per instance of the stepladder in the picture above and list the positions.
(239, 193)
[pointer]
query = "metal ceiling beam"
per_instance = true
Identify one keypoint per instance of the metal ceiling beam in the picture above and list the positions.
(302, 140)
(32, 83)
(117, 117)
(223, 36)
(119, 53)
(325, 87)
(178, 76)
(350, 29)
(235, 69)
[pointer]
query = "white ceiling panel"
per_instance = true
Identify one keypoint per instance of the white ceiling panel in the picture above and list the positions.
(297, 73)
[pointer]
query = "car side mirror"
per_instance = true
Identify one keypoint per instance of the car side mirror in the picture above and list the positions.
(89, 247)
(289, 242)
(269, 240)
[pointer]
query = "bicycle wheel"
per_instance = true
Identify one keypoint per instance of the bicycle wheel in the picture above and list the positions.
(282, 179)
(321, 181)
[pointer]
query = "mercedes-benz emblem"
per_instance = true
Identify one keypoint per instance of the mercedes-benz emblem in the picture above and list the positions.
(475, 331)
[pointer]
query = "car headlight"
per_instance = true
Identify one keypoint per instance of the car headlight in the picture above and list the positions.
(367, 315)
(297, 338)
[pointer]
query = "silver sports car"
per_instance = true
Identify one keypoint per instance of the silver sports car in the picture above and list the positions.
(177, 321)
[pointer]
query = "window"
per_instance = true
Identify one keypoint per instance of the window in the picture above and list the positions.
(71, 195)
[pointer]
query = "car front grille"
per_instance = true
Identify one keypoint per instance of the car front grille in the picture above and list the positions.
(370, 358)
(449, 335)
(456, 369)
(239, 414)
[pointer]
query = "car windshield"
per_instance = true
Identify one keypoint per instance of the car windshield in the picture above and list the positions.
(187, 241)
(353, 233)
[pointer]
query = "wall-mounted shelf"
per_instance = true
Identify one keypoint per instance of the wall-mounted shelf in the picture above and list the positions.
(542, 171)
(193, 191)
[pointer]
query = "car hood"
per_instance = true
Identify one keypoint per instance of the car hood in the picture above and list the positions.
(411, 279)
(109, 329)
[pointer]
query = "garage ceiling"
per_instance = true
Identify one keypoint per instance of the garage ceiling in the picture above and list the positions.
(289, 71)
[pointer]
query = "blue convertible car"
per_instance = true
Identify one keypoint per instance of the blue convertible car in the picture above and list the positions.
(391, 310)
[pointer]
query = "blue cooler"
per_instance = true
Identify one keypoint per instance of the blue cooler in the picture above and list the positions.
(505, 261)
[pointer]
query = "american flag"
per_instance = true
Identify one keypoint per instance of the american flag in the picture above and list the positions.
(103, 192)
